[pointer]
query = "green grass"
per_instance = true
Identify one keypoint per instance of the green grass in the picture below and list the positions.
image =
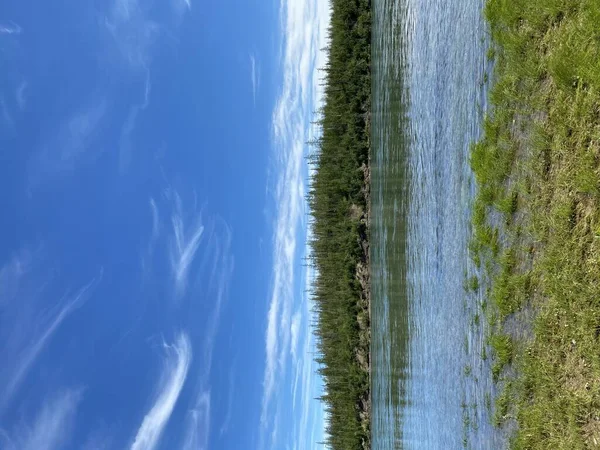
(467, 371)
(502, 345)
(502, 406)
(538, 168)
(487, 401)
(472, 284)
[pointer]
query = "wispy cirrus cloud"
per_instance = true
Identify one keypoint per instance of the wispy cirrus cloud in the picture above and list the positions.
(198, 426)
(126, 138)
(72, 145)
(218, 287)
(230, 392)
(180, 8)
(184, 241)
(304, 28)
(218, 247)
(198, 246)
(10, 28)
(155, 219)
(133, 31)
(20, 95)
(254, 76)
(99, 439)
(295, 333)
(26, 324)
(30, 352)
(52, 427)
(175, 370)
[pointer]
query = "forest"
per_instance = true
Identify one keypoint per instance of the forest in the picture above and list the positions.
(339, 201)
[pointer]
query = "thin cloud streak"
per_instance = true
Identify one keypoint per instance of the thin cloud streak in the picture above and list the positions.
(184, 244)
(30, 354)
(175, 371)
(295, 330)
(220, 277)
(11, 28)
(20, 95)
(133, 33)
(125, 140)
(155, 219)
(197, 432)
(52, 427)
(225, 425)
(198, 428)
(24, 331)
(254, 76)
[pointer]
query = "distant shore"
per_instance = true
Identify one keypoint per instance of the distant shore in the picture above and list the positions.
(536, 221)
(339, 200)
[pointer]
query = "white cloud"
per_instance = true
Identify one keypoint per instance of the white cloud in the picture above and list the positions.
(225, 425)
(184, 243)
(10, 28)
(175, 371)
(304, 26)
(199, 415)
(72, 145)
(155, 219)
(51, 428)
(125, 141)
(125, 144)
(295, 329)
(20, 95)
(26, 325)
(254, 76)
(133, 32)
(194, 247)
(30, 353)
(198, 427)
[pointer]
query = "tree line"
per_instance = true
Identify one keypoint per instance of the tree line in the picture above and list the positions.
(339, 201)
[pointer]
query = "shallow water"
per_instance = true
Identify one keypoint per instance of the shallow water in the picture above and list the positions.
(430, 386)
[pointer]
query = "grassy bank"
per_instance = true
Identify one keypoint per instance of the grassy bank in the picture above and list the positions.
(536, 220)
(339, 200)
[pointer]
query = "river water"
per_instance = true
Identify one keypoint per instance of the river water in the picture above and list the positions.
(431, 387)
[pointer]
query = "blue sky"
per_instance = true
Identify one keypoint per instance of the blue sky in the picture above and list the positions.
(152, 292)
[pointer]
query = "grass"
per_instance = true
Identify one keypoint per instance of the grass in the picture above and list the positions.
(503, 404)
(467, 371)
(536, 219)
(503, 353)
(487, 400)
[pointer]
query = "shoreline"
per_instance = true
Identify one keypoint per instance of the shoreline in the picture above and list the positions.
(363, 274)
(339, 200)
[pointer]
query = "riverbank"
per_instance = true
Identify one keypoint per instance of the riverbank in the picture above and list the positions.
(536, 221)
(339, 202)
